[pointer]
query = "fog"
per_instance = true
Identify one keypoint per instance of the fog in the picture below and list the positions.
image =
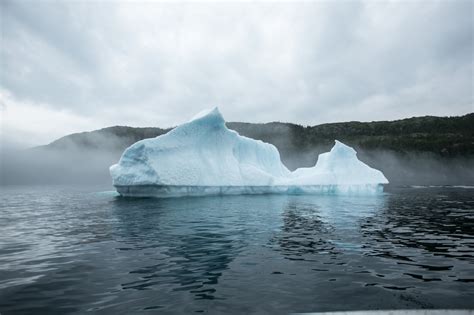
(401, 168)
(43, 166)
(421, 168)
(69, 163)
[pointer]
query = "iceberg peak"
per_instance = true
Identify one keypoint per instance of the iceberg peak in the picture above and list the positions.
(203, 157)
(208, 116)
(342, 149)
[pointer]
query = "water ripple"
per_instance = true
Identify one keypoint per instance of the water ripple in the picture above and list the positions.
(71, 250)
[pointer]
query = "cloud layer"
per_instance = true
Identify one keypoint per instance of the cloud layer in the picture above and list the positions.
(86, 65)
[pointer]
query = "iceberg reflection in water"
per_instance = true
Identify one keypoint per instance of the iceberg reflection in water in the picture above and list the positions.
(65, 250)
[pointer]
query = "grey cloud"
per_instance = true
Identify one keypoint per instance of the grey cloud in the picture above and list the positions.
(54, 23)
(302, 62)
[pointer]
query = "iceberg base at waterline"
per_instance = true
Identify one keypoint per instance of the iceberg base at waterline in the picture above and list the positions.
(203, 157)
(162, 191)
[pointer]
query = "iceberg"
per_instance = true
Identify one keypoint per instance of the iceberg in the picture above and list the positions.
(203, 157)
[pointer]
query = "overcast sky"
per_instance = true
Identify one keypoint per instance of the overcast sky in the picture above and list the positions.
(84, 65)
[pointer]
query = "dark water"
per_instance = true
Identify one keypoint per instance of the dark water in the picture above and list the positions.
(74, 250)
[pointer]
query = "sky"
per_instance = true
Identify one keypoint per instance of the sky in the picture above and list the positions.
(78, 66)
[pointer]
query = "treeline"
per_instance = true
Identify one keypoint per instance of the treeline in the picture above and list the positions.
(443, 136)
(421, 150)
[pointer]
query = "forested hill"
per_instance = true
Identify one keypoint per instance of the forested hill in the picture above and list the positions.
(421, 150)
(444, 136)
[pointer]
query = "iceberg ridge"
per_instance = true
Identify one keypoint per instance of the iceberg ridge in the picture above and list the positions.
(203, 157)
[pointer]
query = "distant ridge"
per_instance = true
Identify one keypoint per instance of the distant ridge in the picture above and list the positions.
(444, 136)
(414, 151)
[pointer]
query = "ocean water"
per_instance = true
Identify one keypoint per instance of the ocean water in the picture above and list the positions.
(84, 249)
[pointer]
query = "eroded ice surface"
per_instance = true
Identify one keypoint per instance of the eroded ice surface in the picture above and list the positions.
(203, 157)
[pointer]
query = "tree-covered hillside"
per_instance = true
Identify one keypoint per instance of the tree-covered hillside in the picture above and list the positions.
(444, 136)
(421, 150)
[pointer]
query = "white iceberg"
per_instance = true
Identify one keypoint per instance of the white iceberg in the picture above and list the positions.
(203, 157)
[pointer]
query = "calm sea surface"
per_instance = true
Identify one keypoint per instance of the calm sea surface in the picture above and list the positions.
(76, 250)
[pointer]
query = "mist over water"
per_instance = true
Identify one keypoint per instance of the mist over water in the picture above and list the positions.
(421, 168)
(56, 166)
(78, 165)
